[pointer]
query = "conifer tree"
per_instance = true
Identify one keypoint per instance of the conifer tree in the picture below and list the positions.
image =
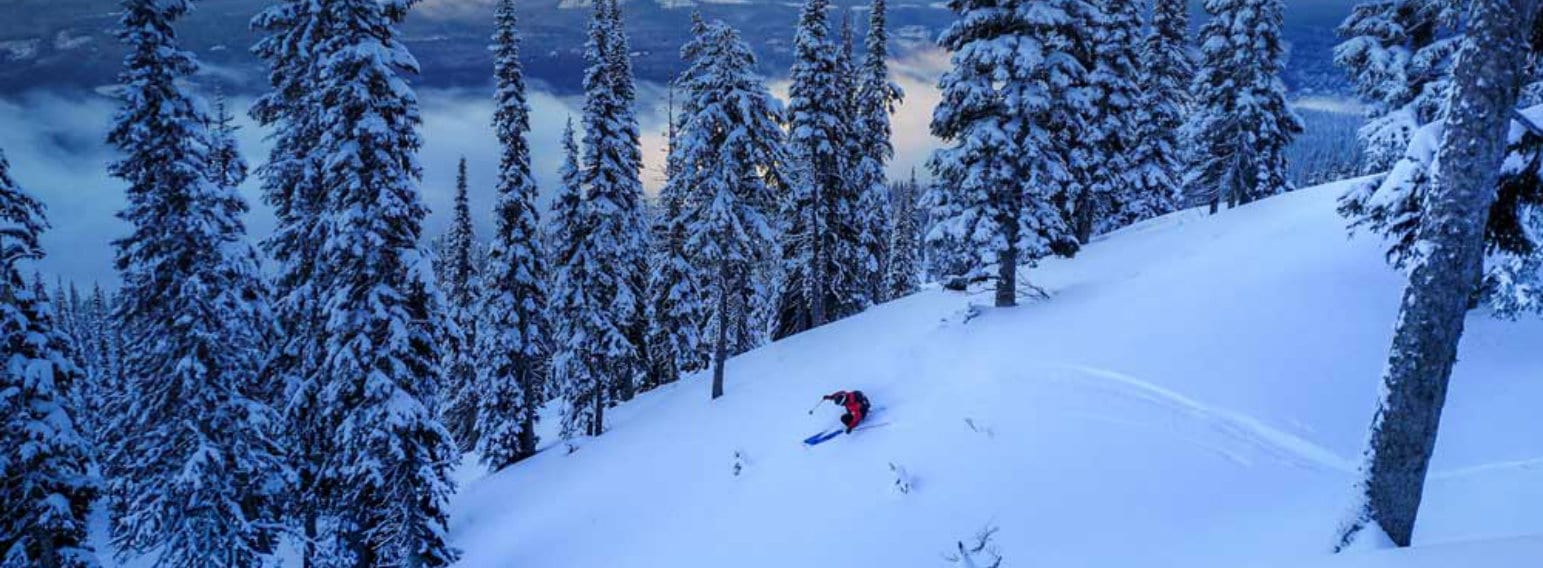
(877, 98)
(460, 287)
(1163, 103)
(1098, 152)
(512, 333)
(197, 459)
(730, 162)
(903, 267)
(290, 184)
(1486, 84)
(1394, 205)
(386, 481)
(1398, 54)
(675, 313)
(1000, 158)
(45, 480)
(1242, 123)
(628, 154)
(576, 363)
(613, 210)
(946, 254)
(819, 281)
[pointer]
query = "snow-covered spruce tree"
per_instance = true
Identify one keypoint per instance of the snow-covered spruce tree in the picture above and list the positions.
(877, 97)
(576, 365)
(1242, 124)
(613, 202)
(731, 158)
(1002, 162)
(44, 477)
(1157, 157)
(290, 184)
(819, 281)
(904, 264)
(1514, 284)
(1398, 54)
(1098, 149)
(1486, 82)
(1397, 205)
(676, 315)
(197, 457)
(458, 280)
(1393, 206)
(628, 153)
(512, 332)
(387, 479)
(946, 256)
(597, 293)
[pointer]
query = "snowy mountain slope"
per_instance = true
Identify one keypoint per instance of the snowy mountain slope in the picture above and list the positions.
(1195, 392)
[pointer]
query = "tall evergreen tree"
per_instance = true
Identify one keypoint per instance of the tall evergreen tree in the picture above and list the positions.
(904, 264)
(628, 153)
(819, 283)
(44, 477)
(460, 286)
(198, 458)
(1398, 54)
(948, 258)
(731, 161)
(877, 98)
(1162, 103)
(1242, 123)
(291, 186)
(577, 365)
(512, 333)
(1486, 83)
(1104, 36)
(1001, 158)
(386, 480)
(675, 315)
(613, 208)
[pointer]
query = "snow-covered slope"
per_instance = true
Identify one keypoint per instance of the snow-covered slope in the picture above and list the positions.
(1194, 392)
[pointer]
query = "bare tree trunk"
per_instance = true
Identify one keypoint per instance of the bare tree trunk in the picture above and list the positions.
(1486, 83)
(721, 350)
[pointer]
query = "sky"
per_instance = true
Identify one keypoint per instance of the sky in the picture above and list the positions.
(56, 145)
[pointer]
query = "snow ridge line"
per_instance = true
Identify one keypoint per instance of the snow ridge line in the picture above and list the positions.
(1242, 427)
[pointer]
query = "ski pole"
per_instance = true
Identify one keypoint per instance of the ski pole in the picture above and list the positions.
(816, 405)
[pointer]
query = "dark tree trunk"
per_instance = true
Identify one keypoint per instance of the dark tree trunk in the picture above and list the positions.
(1083, 219)
(527, 437)
(1486, 84)
(721, 349)
(1007, 264)
(598, 426)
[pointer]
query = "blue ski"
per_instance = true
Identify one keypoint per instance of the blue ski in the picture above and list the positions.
(823, 436)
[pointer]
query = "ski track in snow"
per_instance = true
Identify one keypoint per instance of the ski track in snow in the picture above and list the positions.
(1241, 428)
(1496, 467)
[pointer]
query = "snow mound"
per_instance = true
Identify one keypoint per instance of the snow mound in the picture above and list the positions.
(1194, 392)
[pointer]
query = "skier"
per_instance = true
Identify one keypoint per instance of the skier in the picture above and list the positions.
(856, 407)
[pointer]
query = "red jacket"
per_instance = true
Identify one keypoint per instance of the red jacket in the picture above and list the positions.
(856, 405)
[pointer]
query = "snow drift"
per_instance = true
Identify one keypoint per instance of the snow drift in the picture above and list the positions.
(1195, 391)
